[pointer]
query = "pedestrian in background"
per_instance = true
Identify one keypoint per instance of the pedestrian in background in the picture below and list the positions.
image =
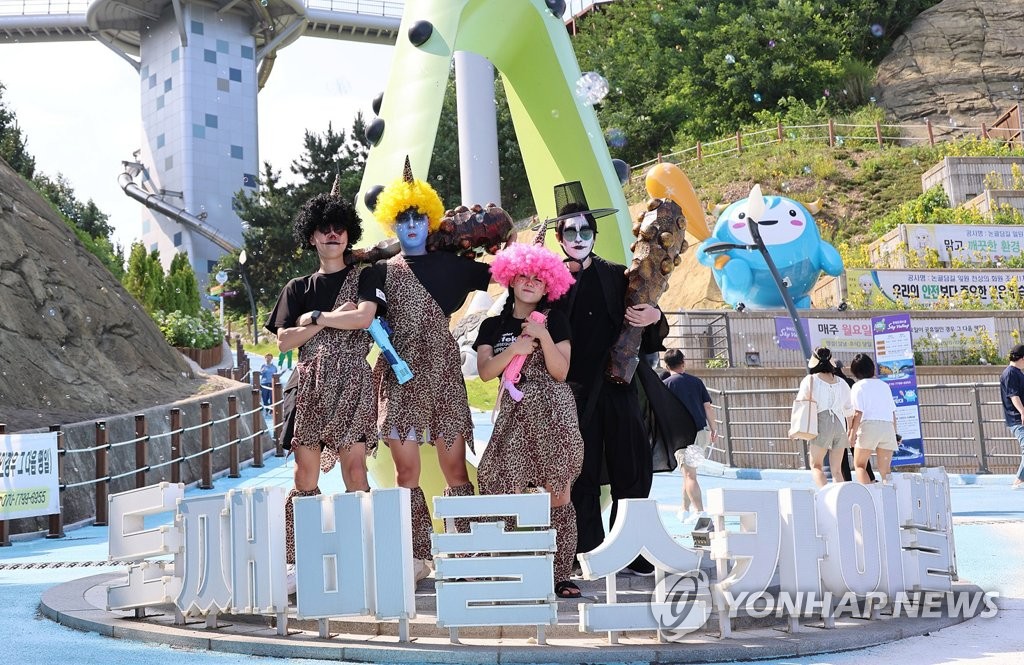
(267, 373)
(873, 428)
(1011, 388)
(835, 410)
(694, 396)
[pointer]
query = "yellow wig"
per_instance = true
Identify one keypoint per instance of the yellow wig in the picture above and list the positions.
(407, 193)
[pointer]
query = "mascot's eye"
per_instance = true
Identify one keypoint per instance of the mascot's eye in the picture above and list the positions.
(743, 215)
(792, 213)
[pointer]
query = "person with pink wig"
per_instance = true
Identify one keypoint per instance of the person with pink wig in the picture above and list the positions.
(536, 442)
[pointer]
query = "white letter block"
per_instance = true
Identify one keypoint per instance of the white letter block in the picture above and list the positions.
(846, 517)
(525, 581)
(149, 583)
(393, 582)
(753, 552)
(890, 556)
(332, 555)
(911, 499)
(926, 560)
(802, 548)
(129, 539)
(204, 586)
(638, 530)
(257, 550)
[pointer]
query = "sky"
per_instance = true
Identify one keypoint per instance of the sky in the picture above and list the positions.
(78, 104)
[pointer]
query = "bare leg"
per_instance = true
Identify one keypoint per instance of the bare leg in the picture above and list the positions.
(835, 461)
(884, 457)
(353, 467)
(691, 489)
(407, 474)
(860, 461)
(453, 462)
(817, 455)
(307, 475)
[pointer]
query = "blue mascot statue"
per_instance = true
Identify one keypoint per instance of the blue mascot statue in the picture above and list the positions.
(792, 239)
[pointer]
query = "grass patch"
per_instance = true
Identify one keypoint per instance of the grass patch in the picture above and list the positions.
(481, 395)
(263, 348)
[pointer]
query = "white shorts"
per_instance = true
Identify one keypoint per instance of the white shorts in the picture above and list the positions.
(874, 434)
(703, 441)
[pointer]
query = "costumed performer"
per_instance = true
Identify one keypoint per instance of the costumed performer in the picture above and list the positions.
(423, 289)
(325, 316)
(617, 450)
(536, 440)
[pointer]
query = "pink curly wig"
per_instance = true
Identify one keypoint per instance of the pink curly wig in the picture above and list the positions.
(528, 259)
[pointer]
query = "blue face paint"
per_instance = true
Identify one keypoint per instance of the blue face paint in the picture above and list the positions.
(411, 228)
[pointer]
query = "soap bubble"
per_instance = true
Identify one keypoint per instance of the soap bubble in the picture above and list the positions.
(877, 30)
(591, 88)
(730, 59)
(757, 98)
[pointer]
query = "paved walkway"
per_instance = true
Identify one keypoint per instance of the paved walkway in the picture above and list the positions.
(988, 524)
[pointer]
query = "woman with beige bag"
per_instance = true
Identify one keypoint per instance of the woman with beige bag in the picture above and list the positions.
(828, 397)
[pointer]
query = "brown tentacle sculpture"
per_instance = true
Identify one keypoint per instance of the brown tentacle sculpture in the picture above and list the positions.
(660, 242)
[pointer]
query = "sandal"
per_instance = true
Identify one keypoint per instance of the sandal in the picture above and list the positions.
(567, 589)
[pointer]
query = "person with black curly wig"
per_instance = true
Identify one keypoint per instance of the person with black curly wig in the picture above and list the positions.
(325, 316)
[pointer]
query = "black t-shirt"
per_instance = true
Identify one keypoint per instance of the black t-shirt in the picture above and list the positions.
(320, 291)
(500, 337)
(692, 392)
(1011, 383)
(447, 277)
(595, 330)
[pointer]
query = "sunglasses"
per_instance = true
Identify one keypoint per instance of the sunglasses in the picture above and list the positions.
(583, 234)
(338, 229)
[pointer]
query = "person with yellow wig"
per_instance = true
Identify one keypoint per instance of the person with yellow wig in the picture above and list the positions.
(422, 291)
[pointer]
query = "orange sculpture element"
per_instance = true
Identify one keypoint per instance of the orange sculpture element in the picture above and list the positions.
(667, 181)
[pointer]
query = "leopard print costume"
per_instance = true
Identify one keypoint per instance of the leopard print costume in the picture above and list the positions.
(435, 398)
(337, 402)
(537, 442)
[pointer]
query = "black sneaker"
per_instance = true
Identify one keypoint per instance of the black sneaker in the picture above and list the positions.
(640, 567)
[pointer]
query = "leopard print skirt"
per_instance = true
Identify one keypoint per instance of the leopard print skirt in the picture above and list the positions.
(336, 405)
(434, 400)
(535, 442)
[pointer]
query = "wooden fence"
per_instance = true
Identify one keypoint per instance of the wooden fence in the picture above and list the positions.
(192, 442)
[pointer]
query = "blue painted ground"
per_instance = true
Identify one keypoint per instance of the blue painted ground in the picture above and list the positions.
(989, 532)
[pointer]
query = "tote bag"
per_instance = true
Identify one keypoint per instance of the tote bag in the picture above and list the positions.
(803, 420)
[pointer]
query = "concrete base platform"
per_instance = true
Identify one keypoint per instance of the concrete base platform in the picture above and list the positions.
(80, 604)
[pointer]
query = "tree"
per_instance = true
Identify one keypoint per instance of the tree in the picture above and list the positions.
(180, 288)
(13, 149)
(144, 277)
(690, 70)
(273, 257)
(85, 216)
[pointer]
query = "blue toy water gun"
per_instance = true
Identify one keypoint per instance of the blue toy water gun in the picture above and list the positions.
(380, 332)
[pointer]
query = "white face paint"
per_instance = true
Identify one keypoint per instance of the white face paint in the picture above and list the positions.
(577, 238)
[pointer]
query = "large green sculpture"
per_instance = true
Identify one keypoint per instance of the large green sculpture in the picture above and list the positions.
(558, 133)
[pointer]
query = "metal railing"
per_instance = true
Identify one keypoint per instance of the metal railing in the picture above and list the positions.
(961, 424)
(391, 8)
(835, 134)
(43, 7)
(701, 337)
(143, 443)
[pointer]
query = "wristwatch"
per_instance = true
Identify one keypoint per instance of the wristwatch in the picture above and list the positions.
(314, 316)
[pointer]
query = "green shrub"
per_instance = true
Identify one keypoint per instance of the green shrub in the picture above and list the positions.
(197, 332)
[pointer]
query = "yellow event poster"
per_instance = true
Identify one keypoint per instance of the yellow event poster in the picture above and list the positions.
(28, 475)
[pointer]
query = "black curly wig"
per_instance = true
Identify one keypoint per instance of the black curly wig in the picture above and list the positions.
(323, 211)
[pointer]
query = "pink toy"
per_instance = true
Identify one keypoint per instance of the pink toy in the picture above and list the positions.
(511, 375)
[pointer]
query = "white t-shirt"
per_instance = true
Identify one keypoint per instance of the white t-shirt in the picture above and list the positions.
(834, 397)
(873, 399)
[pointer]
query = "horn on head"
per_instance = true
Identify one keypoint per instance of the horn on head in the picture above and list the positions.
(336, 188)
(814, 207)
(716, 210)
(407, 171)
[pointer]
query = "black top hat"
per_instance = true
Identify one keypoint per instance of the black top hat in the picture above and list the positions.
(570, 201)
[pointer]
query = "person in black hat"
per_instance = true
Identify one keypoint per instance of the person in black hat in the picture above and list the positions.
(617, 450)
(1011, 390)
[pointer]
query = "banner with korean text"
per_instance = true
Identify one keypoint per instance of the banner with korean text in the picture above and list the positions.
(28, 475)
(867, 288)
(894, 356)
(854, 335)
